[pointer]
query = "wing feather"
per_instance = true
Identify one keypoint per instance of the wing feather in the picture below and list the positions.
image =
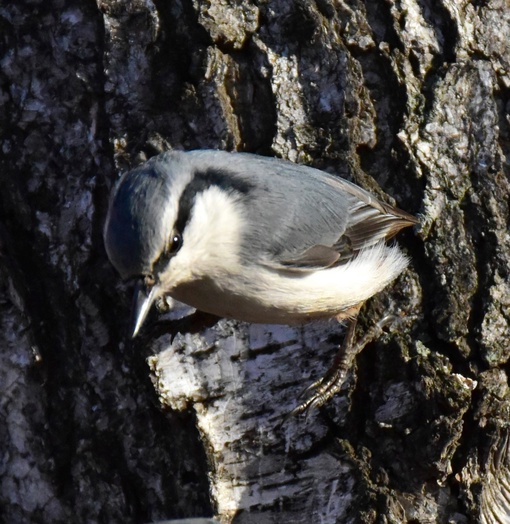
(302, 219)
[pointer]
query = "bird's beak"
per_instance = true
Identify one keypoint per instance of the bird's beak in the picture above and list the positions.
(142, 301)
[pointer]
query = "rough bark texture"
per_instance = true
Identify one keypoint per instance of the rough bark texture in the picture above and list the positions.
(408, 98)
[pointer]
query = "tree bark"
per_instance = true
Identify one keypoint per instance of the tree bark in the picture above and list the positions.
(409, 99)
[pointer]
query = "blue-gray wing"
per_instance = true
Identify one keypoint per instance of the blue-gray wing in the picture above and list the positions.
(300, 218)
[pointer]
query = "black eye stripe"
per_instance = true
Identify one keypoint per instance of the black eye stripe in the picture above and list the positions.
(203, 180)
(224, 179)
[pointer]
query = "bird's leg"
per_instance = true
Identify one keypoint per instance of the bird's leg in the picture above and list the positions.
(331, 383)
(324, 388)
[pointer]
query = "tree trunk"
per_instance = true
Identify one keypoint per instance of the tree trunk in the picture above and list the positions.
(409, 99)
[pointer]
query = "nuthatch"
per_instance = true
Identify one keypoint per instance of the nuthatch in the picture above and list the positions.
(255, 239)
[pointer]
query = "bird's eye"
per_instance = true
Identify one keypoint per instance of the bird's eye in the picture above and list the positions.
(175, 244)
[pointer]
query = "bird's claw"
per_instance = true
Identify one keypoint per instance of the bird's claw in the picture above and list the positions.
(332, 382)
(323, 390)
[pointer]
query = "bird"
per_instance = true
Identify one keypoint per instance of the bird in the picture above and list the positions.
(256, 239)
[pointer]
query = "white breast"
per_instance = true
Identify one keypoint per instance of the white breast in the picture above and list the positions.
(259, 294)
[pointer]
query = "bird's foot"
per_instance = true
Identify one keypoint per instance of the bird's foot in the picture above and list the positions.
(325, 388)
(322, 390)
